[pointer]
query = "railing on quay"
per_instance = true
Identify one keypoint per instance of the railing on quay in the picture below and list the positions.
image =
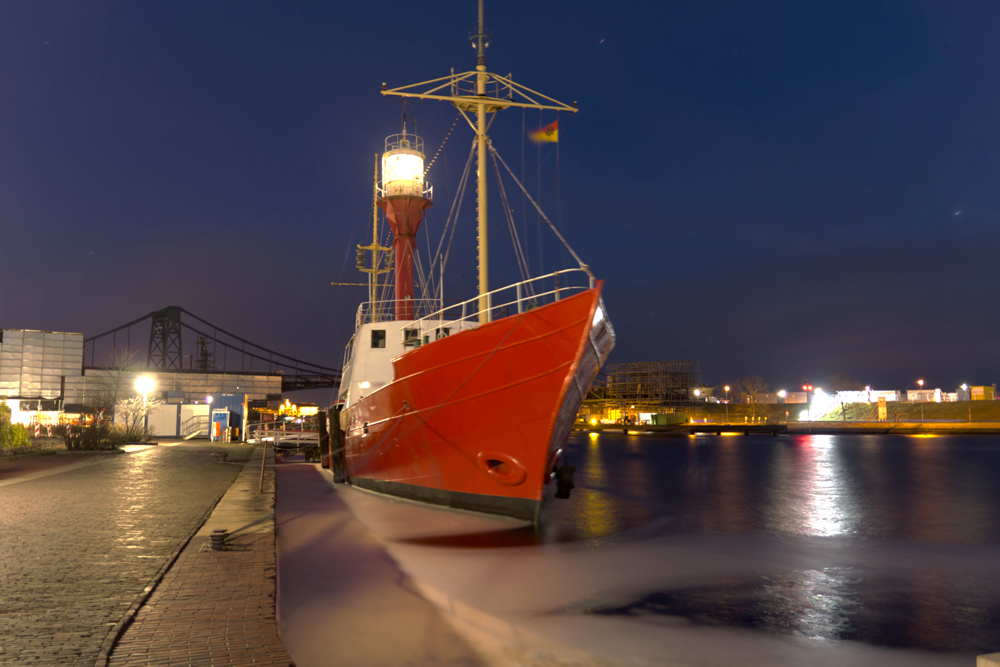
(288, 434)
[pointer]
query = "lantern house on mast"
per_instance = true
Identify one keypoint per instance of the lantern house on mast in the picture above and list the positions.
(404, 195)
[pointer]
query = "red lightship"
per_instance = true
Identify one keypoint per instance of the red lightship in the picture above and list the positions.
(468, 405)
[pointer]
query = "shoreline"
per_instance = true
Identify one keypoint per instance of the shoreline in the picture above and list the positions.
(806, 428)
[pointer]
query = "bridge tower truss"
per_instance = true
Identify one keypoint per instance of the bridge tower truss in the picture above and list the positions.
(165, 339)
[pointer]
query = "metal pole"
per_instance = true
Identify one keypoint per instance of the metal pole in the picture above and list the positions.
(484, 270)
(262, 461)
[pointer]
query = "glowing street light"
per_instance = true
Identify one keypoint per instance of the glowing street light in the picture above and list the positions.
(697, 392)
(727, 402)
(145, 384)
(921, 399)
(782, 394)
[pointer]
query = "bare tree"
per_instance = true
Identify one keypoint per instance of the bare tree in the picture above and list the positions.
(749, 389)
(105, 390)
(843, 382)
(132, 412)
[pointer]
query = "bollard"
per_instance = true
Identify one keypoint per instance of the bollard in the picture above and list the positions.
(219, 537)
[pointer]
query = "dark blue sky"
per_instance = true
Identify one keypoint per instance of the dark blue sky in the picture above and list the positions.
(782, 188)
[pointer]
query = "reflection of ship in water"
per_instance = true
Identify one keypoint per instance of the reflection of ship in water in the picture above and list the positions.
(467, 405)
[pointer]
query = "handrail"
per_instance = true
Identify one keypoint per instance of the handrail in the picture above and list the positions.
(523, 297)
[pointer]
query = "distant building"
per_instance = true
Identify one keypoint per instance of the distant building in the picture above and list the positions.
(42, 375)
(924, 395)
(36, 365)
(976, 393)
(654, 383)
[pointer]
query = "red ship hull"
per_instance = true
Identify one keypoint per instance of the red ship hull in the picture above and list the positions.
(475, 420)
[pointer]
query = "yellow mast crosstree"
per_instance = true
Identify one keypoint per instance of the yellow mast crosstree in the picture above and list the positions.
(492, 93)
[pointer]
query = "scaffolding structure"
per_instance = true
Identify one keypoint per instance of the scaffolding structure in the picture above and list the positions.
(653, 383)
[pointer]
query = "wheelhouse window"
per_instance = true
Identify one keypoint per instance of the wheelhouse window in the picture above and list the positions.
(378, 338)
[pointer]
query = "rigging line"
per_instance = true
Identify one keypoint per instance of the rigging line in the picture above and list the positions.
(546, 218)
(377, 448)
(509, 218)
(456, 208)
(441, 147)
(421, 276)
(454, 226)
(457, 201)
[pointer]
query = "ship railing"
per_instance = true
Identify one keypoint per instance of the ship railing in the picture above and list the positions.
(404, 141)
(401, 188)
(371, 312)
(509, 300)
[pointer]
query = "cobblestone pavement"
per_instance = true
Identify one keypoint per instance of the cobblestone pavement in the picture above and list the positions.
(216, 607)
(78, 548)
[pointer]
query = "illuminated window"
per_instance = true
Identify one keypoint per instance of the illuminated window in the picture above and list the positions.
(378, 338)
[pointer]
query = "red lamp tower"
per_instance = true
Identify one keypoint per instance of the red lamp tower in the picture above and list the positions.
(404, 196)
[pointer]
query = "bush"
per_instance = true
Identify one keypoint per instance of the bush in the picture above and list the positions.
(14, 438)
(101, 435)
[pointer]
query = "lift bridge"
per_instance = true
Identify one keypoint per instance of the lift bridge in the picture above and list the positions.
(212, 348)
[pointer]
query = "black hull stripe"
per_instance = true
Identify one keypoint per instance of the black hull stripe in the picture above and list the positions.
(518, 508)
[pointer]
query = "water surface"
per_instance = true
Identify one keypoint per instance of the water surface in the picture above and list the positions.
(914, 521)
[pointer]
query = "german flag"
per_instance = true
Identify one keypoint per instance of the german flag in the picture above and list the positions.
(547, 134)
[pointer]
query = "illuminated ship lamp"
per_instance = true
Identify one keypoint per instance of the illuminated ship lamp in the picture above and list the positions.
(403, 173)
(404, 195)
(403, 167)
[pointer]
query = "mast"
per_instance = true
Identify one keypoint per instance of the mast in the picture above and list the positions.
(468, 92)
(483, 236)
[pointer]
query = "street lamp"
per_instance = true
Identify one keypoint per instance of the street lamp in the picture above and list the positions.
(727, 402)
(921, 399)
(145, 384)
(208, 402)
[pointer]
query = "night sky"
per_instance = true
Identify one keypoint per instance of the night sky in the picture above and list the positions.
(789, 189)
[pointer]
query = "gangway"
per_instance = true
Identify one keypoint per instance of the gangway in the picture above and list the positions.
(288, 438)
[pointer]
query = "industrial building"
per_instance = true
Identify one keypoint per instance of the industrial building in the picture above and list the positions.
(653, 383)
(42, 377)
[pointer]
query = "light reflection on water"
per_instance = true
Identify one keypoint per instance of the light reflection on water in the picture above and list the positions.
(848, 489)
(900, 487)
